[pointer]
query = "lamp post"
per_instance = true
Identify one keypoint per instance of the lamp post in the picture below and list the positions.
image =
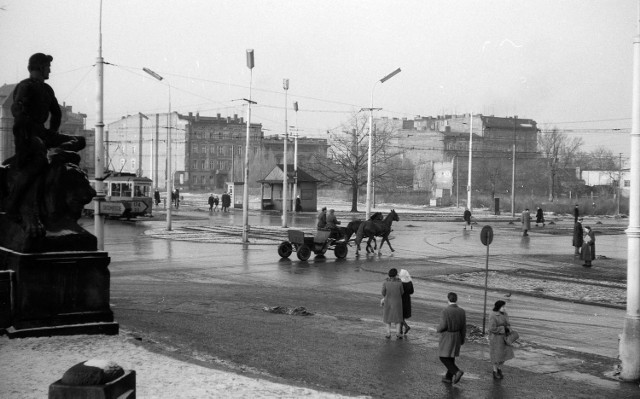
(295, 153)
(169, 180)
(98, 220)
(285, 86)
(630, 337)
(470, 160)
(245, 194)
(513, 169)
(369, 158)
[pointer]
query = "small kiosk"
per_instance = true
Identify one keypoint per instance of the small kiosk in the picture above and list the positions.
(271, 189)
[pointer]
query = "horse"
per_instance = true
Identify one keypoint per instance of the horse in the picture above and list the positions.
(374, 228)
(353, 226)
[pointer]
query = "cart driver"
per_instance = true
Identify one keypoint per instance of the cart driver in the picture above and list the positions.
(332, 224)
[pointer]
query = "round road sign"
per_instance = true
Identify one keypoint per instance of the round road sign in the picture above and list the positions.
(486, 235)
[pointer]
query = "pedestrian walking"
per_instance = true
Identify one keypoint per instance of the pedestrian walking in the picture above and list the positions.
(499, 327)
(216, 201)
(539, 217)
(156, 197)
(453, 330)
(322, 218)
(226, 202)
(526, 222)
(576, 214)
(210, 201)
(577, 236)
(391, 303)
(588, 252)
(177, 198)
(298, 204)
(407, 288)
(467, 218)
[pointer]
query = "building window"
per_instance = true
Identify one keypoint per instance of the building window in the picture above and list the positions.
(220, 150)
(212, 164)
(202, 164)
(195, 165)
(212, 149)
(204, 149)
(194, 148)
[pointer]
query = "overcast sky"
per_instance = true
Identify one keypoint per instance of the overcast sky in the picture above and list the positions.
(562, 63)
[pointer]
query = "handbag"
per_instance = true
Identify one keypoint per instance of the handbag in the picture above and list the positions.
(512, 337)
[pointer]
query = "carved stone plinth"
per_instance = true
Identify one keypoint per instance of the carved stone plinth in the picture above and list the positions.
(59, 293)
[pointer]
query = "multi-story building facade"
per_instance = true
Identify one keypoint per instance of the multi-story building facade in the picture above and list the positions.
(206, 153)
(438, 147)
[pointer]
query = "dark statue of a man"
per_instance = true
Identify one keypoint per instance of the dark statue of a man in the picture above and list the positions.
(42, 183)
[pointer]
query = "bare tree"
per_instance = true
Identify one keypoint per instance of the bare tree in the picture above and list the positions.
(492, 174)
(557, 151)
(346, 163)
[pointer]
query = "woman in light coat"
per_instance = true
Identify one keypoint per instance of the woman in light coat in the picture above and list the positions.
(392, 303)
(499, 351)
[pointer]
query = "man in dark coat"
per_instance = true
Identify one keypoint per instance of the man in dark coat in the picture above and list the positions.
(577, 236)
(467, 218)
(156, 197)
(226, 202)
(452, 329)
(210, 201)
(539, 217)
(576, 214)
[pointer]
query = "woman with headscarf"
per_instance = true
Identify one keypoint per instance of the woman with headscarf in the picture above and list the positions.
(588, 252)
(499, 351)
(407, 287)
(392, 303)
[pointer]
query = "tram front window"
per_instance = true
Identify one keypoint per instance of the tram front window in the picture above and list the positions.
(126, 190)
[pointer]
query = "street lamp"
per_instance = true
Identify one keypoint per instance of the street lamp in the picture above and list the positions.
(295, 153)
(470, 160)
(169, 177)
(371, 109)
(513, 173)
(285, 86)
(245, 194)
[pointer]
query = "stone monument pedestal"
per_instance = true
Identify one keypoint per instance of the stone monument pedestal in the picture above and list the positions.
(57, 293)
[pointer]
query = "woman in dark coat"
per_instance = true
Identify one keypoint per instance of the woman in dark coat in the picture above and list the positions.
(407, 286)
(499, 351)
(539, 217)
(577, 236)
(588, 246)
(392, 302)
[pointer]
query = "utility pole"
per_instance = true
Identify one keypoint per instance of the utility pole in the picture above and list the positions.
(295, 154)
(630, 337)
(619, 184)
(245, 194)
(470, 160)
(513, 173)
(285, 182)
(98, 220)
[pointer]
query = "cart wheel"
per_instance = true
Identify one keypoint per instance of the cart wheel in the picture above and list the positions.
(285, 249)
(341, 251)
(304, 252)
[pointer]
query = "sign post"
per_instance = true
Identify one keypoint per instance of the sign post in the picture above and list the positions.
(486, 236)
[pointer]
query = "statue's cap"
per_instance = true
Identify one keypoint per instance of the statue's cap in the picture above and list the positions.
(38, 60)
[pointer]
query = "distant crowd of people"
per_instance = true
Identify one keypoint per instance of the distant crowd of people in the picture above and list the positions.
(214, 201)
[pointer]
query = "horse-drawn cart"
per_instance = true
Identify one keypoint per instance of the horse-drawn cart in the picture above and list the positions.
(319, 244)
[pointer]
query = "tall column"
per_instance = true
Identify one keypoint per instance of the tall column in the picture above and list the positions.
(470, 160)
(630, 338)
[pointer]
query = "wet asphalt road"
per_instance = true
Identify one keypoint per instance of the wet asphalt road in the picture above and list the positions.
(204, 302)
